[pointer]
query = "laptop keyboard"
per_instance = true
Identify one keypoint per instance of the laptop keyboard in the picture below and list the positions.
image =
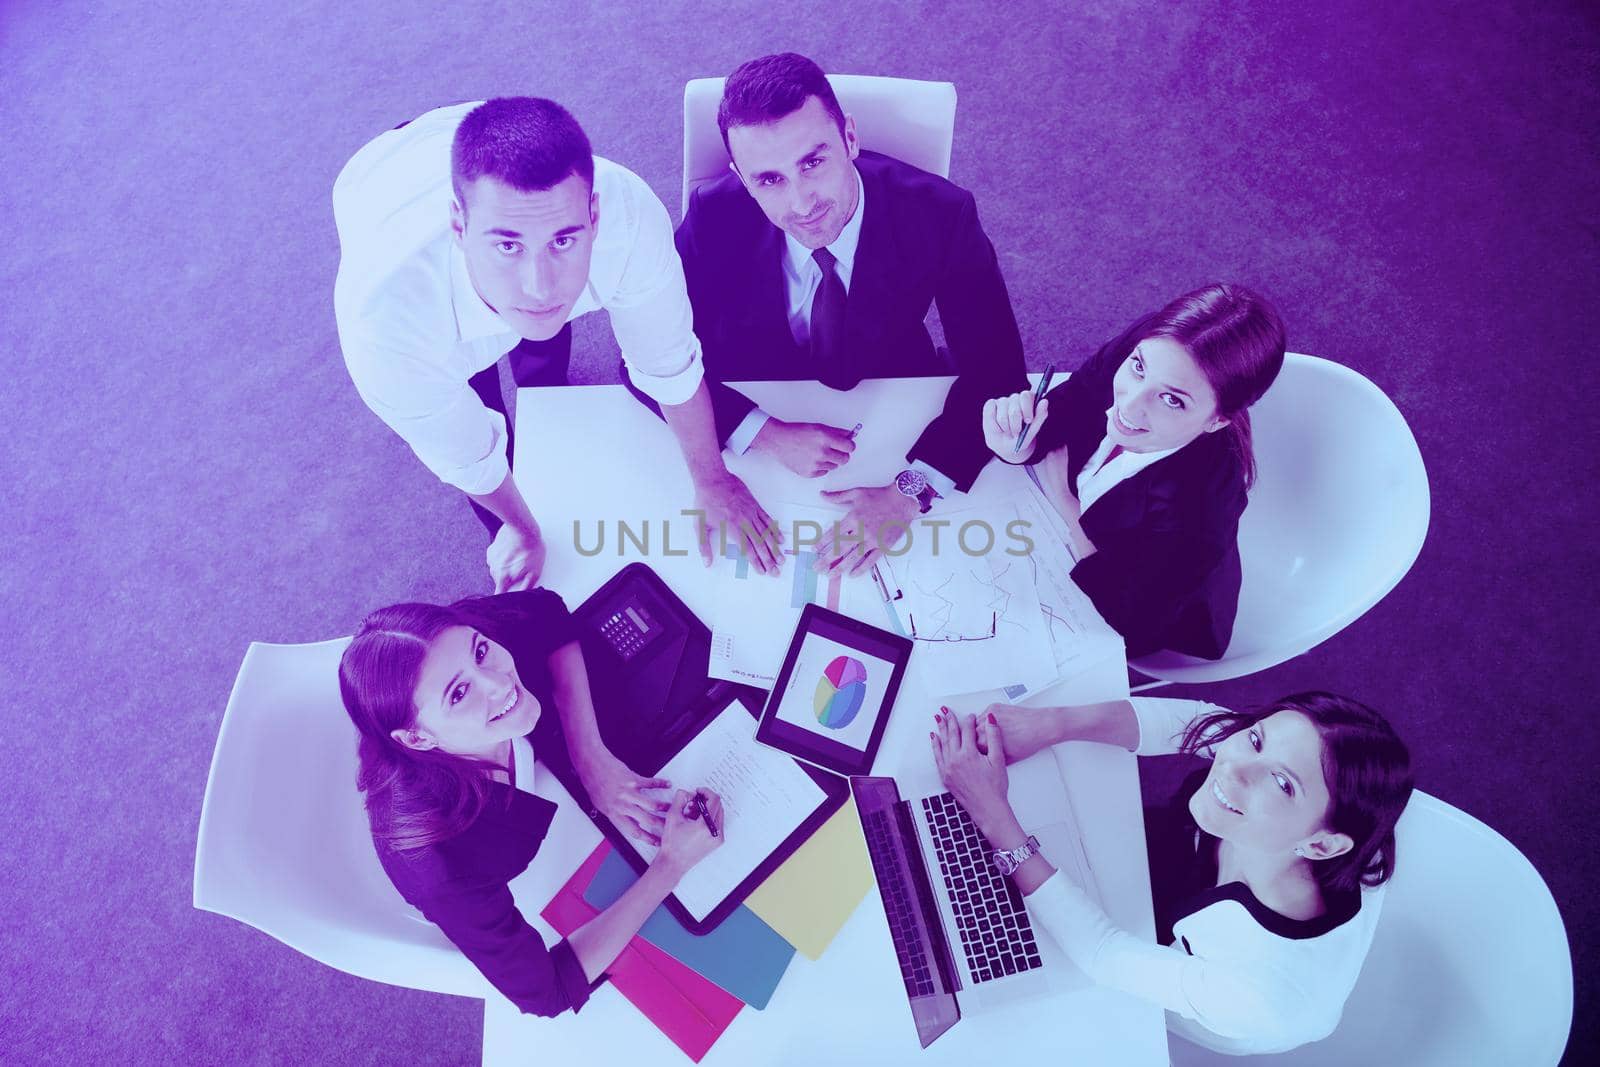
(990, 916)
(898, 906)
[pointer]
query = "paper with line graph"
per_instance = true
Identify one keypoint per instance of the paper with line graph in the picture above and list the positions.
(975, 620)
(1079, 637)
(755, 614)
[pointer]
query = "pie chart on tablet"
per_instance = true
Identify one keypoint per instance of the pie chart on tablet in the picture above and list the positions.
(841, 691)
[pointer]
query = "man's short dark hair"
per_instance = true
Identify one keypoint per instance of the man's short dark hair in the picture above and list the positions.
(765, 90)
(527, 142)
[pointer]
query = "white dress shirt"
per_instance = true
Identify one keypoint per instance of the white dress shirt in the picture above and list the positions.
(1098, 476)
(802, 277)
(414, 329)
(1227, 983)
(523, 766)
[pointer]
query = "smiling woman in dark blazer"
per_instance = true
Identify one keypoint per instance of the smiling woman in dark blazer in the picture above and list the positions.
(1145, 452)
(450, 703)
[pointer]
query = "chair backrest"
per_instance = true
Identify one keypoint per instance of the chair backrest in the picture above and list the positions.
(1469, 963)
(913, 121)
(284, 844)
(1337, 517)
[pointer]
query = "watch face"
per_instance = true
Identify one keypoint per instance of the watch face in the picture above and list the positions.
(910, 482)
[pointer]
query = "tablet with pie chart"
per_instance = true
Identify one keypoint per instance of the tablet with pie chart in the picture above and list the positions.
(832, 698)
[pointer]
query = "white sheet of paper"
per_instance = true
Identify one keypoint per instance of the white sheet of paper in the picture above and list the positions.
(755, 614)
(1079, 637)
(765, 797)
(975, 619)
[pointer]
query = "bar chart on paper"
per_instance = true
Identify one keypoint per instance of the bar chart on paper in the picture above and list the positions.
(804, 581)
(756, 613)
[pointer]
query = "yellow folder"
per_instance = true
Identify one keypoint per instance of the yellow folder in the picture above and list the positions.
(811, 895)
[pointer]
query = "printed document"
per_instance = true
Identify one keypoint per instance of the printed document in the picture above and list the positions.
(765, 797)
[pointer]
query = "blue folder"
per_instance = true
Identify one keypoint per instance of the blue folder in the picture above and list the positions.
(743, 955)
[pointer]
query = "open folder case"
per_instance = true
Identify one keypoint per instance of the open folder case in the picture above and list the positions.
(657, 709)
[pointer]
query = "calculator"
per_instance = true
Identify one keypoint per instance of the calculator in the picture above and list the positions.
(629, 629)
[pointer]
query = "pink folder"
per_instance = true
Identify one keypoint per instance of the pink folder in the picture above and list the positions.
(691, 1011)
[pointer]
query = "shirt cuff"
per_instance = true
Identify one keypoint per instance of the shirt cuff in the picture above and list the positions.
(1163, 721)
(482, 477)
(942, 484)
(669, 389)
(740, 440)
(570, 976)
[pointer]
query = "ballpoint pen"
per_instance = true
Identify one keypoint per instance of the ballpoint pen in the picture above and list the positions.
(1038, 394)
(703, 812)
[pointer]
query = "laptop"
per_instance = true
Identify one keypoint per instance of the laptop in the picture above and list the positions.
(961, 931)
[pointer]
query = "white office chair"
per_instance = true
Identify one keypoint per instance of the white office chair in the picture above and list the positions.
(1469, 963)
(284, 844)
(1337, 516)
(913, 121)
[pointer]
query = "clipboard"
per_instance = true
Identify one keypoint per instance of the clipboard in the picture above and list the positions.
(833, 793)
(653, 701)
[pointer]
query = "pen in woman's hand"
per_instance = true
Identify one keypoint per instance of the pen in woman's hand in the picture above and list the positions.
(1038, 394)
(703, 812)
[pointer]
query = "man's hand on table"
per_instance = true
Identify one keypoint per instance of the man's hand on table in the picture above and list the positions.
(876, 518)
(635, 805)
(724, 502)
(516, 557)
(810, 449)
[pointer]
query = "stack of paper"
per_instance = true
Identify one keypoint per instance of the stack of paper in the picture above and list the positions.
(1079, 637)
(1011, 618)
(975, 619)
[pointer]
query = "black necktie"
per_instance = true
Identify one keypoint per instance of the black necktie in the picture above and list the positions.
(827, 325)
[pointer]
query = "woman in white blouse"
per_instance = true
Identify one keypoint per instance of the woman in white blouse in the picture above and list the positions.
(1145, 453)
(1265, 868)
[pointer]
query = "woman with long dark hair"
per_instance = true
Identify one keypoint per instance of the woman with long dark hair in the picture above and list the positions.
(1265, 865)
(450, 704)
(1145, 452)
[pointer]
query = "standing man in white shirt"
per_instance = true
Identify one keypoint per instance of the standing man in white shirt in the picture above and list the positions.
(479, 230)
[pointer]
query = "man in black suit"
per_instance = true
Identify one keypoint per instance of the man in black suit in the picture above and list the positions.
(816, 260)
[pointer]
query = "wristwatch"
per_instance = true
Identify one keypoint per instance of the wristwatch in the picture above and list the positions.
(914, 484)
(1009, 859)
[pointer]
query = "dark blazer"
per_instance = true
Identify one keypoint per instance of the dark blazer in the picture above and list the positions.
(461, 884)
(1165, 570)
(921, 244)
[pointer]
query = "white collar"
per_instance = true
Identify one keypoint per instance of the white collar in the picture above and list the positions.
(843, 247)
(1098, 476)
(1129, 460)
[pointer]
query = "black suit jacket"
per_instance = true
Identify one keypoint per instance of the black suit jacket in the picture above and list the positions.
(1165, 570)
(921, 244)
(462, 884)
